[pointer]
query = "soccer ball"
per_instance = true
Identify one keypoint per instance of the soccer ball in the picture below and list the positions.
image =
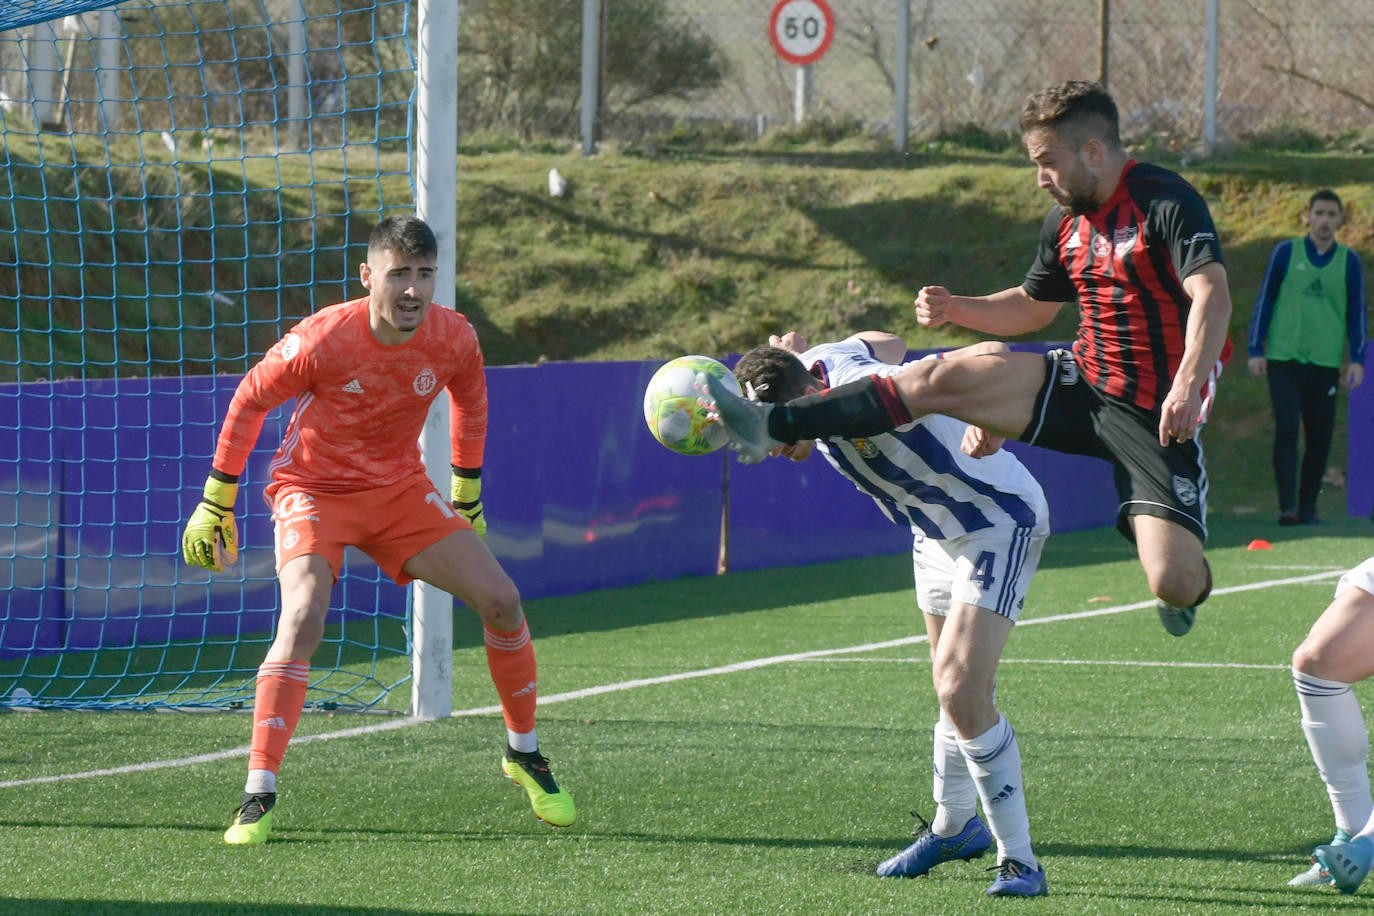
(671, 409)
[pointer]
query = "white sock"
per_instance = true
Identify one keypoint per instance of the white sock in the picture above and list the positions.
(524, 742)
(994, 759)
(956, 797)
(1336, 735)
(260, 781)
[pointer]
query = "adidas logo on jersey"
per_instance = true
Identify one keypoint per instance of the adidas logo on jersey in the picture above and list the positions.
(353, 387)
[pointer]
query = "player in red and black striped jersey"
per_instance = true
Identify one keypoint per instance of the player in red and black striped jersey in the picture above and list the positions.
(1135, 246)
(1125, 262)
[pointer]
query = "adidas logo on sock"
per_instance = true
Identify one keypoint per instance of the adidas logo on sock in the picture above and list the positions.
(525, 691)
(353, 387)
(276, 722)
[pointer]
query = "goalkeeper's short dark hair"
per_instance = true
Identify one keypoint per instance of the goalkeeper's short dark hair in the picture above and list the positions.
(774, 374)
(408, 236)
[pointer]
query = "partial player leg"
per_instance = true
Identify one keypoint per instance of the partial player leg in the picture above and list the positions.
(966, 667)
(462, 565)
(1286, 403)
(1175, 568)
(994, 391)
(1318, 387)
(971, 589)
(280, 693)
(956, 831)
(1336, 654)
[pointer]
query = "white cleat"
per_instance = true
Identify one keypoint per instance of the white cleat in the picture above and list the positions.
(743, 420)
(1310, 878)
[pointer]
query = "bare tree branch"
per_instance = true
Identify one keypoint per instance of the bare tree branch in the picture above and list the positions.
(1306, 77)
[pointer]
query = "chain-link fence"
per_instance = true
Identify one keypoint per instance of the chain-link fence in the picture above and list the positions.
(1282, 64)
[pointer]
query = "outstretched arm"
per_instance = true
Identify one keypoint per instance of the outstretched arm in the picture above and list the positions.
(888, 348)
(1008, 313)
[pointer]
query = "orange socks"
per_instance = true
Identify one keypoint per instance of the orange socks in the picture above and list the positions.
(280, 697)
(510, 656)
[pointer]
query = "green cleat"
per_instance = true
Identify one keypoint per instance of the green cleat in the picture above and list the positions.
(1177, 620)
(253, 822)
(531, 772)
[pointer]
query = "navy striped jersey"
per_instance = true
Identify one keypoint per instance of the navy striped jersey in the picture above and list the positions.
(916, 473)
(1125, 264)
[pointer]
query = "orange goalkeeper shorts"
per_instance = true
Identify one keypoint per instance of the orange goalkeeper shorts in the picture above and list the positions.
(390, 524)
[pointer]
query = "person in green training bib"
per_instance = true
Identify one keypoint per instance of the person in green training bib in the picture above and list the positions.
(1311, 302)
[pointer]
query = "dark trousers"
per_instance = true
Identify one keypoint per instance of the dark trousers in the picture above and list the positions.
(1303, 395)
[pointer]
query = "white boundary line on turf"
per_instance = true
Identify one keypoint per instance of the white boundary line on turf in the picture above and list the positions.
(749, 665)
(1103, 663)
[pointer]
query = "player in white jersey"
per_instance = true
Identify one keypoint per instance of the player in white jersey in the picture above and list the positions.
(1338, 652)
(979, 521)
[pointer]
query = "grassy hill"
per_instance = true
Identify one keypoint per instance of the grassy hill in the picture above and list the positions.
(656, 255)
(656, 251)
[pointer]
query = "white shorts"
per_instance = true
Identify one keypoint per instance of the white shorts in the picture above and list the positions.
(1361, 577)
(991, 568)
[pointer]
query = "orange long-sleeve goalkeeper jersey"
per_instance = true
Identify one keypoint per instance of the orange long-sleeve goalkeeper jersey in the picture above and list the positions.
(360, 405)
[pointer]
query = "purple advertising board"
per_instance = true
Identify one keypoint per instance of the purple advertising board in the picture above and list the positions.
(96, 479)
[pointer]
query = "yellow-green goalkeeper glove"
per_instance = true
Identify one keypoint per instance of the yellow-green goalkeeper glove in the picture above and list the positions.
(467, 498)
(212, 539)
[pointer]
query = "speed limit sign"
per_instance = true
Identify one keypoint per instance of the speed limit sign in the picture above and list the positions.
(801, 30)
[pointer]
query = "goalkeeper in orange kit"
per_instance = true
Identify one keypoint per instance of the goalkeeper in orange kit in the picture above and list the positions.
(349, 472)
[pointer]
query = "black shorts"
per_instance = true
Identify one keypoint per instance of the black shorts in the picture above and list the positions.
(1168, 482)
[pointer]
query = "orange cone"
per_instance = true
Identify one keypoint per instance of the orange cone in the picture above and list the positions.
(1259, 544)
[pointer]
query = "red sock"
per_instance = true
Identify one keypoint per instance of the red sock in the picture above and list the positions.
(510, 656)
(277, 709)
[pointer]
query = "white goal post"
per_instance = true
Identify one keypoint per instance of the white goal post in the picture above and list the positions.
(436, 193)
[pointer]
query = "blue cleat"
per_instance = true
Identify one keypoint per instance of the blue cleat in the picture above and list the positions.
(930, 849)
(1345, 866)
(1017, 879)
(1313, 876)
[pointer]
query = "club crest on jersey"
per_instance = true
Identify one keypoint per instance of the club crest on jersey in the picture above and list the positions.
(1185, 490)
(290, 346)
(1124, 240)
(424, 382)
(865, 447)
(294, 506)
(1102, 246)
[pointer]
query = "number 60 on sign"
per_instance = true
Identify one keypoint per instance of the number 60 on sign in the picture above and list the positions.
(801, 30)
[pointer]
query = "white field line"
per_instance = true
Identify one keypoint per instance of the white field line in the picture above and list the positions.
(393, 724)
(1096, 663)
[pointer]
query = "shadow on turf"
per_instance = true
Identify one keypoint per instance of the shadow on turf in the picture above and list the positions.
(754, 590)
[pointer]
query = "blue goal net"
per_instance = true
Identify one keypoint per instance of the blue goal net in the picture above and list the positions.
(183, 180)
